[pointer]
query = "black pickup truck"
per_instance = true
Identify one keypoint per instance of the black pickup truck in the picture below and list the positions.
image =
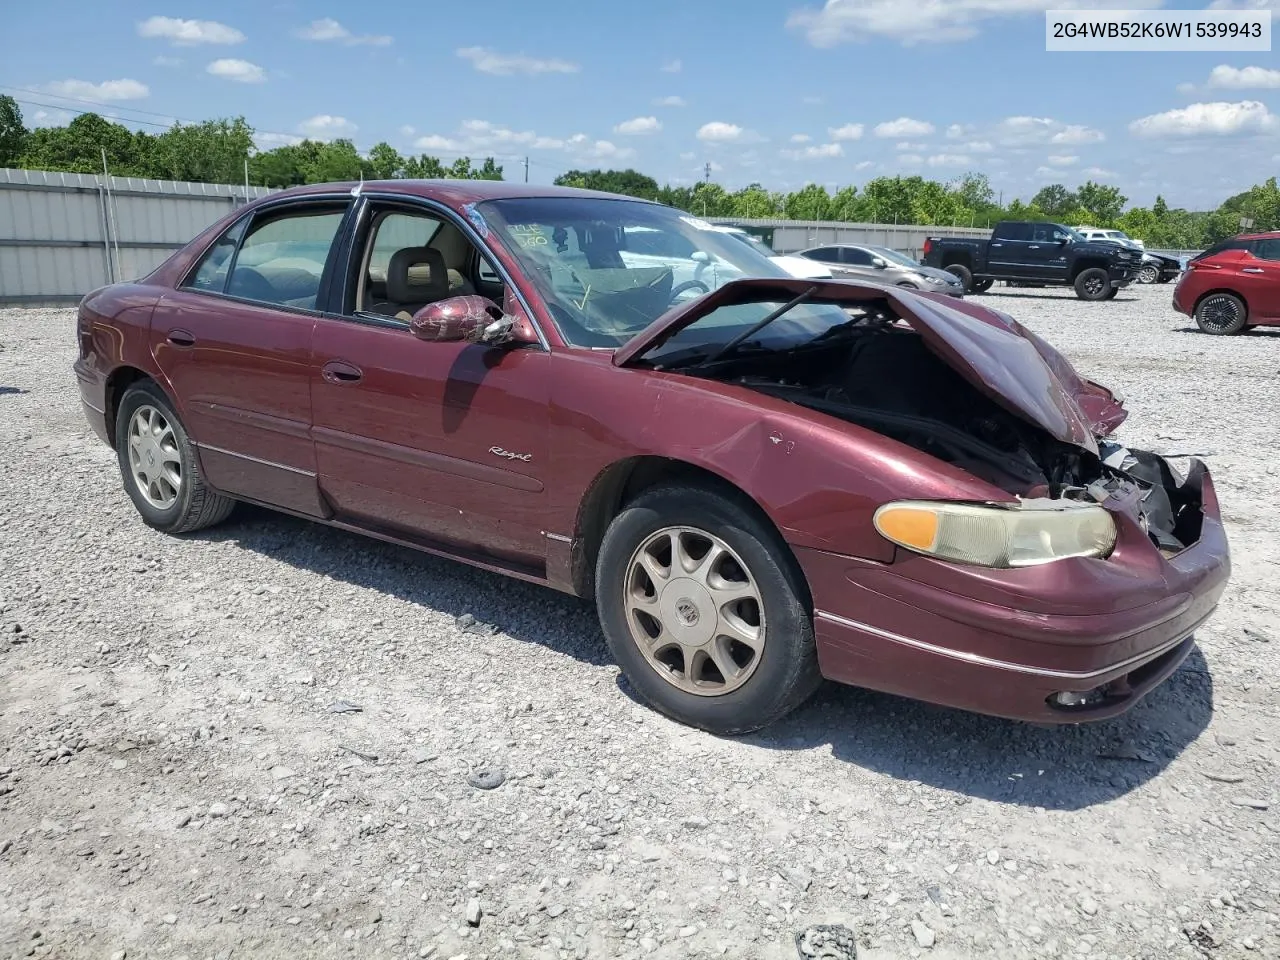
(1039, 253)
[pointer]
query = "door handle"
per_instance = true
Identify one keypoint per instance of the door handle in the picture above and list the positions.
(339, 371)
(1252, 270)
(997, 244)
(1034, 246)
(181, 338)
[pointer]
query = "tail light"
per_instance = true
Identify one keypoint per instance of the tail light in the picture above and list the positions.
(928, 245)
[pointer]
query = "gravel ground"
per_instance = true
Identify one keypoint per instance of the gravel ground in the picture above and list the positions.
(272, 737)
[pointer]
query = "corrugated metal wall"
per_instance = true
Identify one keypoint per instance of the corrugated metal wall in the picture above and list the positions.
(63, 234)
(792, 235)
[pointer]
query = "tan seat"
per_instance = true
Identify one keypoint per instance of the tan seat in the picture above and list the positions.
(416, 276)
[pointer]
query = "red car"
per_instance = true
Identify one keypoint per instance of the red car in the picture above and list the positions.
(760, 480)
(1233, 285)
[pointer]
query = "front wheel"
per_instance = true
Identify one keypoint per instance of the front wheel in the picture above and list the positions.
(703, 608)
(1221, 314)
(1093, 284)
(963, 273)
(1111, 294)
(1150, 273)
(159, 466)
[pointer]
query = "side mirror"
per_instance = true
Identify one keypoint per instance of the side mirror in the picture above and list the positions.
(879, 263)
(469, 319)
(700, 256)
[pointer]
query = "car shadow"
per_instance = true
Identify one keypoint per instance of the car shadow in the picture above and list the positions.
(1065, 295)
(1067, 767)
(1260, 332)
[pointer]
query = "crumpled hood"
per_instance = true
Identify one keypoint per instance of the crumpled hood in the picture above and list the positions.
(990, 349)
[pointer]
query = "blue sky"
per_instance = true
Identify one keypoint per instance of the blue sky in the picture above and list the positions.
(781, 92)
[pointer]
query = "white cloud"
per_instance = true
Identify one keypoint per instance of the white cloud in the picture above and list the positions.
(979, 146)
(904, 127)
(947, 160)
(327, 127)
(863, 165)
(51, 118)
(1077, 133)
(1244, 78)
(188, 33)
(506, 65)
(107, 90)
(163, 61)
(328, 29)
(719, 132)
(582, 146)
(672, 66)
(800, 138)
(823, 151)
(436, 142)
(1217, 119)
(241, 71)
(1099, 173)
(910, 147)
(639, 126)
(406, 131)
(1187, 88)
(850, 131)
(958, 131)
(670, 102)
(268, 141)
(925, 21)
(910, 159)
(491, 139)
(1058, 160)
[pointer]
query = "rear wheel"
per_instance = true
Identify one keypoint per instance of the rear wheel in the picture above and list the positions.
(963, 273)
(159, 466)
(1221, 314)
(702, 606)
(981, 286)
(1093, 284)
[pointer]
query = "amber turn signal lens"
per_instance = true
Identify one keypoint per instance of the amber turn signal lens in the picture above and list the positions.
(910, 526)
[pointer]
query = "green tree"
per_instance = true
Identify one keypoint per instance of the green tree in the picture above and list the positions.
(974, 191)
(811, 202)
(489, 170)
(385, 162)
(1055, 200)
(332, 162)
(13, 134)
(1160, 208)
(846, 204)
(78, 148)
(753, 202)
(209, 152)
(679, 197)
(424, 168)
(1103, 203)
(887, 200)
(628, 182)
(710, 200)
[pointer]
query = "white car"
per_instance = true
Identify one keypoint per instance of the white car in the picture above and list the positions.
(1115, 236)
(800, 267)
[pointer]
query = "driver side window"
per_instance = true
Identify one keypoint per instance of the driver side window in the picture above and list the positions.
(410, 259)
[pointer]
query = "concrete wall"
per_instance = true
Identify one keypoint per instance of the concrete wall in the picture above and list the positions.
(64, 234)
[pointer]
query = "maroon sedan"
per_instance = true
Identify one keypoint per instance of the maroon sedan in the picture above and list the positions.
(760, 480)
(1233, 285)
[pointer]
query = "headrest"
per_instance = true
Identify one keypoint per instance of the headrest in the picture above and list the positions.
(417, 275)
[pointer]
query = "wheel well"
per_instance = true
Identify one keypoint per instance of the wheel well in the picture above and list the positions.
(1229, 292)
(1082, 265)
(120, 380)
(622, 482)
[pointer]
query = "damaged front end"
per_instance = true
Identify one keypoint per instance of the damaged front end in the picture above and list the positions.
(961, 383)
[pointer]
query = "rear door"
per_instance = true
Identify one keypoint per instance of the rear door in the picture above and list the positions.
(1007, 249)
(234, 342)
(1259, 279)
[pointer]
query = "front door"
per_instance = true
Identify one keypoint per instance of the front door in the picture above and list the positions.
(1045, 256)
(1259, 279)
(444, 443)
(234, 342)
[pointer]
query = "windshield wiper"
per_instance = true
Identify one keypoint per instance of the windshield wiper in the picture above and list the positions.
(759, 325)
(697, 356)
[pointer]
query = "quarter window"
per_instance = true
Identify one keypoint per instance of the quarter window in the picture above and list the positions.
(282, 259)
(825, 254)
(211, 273)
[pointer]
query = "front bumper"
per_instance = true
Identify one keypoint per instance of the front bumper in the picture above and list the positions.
(1004, 642)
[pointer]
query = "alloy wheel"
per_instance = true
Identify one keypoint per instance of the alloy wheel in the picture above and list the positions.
(1094, 286)
(1149, 274)
(154, 458)
(694, 611)
(1219, 313)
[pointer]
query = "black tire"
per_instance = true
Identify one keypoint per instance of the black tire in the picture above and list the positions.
(963, 273)
(1111, 294)
(981, 286)
(1221, 314)
(786, 672)
(195, 506)
(1150, 273)
(1092, 284)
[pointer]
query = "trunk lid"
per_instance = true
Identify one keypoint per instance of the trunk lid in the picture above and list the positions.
(990, 349)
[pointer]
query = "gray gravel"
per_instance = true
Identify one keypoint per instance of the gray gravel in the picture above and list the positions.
(275, 739)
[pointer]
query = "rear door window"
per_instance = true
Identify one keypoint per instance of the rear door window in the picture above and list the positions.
(1012, 231)
(1267, 249)
(1235, 243)
(825, 254)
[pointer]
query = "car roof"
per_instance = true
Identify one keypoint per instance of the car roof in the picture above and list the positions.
(454, 192)
(1269, 235)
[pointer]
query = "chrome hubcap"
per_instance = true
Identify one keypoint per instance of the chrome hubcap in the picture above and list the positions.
(1219, 312)
(154, 458)
(694, 611)
(1149, 275)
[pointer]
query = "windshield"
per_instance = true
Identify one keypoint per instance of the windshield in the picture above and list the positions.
(893, 256)
(609, 268)
(753, 241)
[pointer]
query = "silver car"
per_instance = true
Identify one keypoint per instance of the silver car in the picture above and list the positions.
(850, 261)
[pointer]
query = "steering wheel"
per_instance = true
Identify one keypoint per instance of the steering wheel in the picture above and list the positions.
(683, 288)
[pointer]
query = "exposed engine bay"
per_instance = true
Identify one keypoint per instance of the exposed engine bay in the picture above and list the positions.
(881, 375)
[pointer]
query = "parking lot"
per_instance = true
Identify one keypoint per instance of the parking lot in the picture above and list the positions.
(266, 739)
